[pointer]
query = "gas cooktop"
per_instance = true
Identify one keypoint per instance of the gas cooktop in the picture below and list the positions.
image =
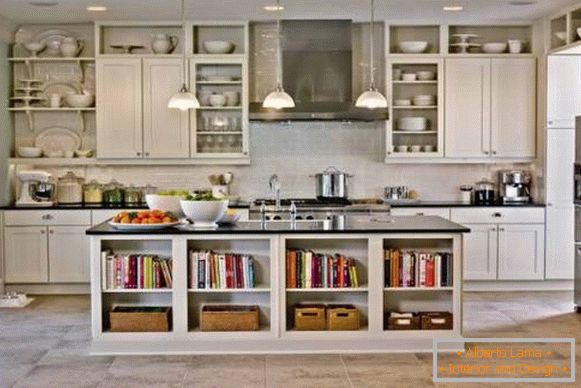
(305, 202)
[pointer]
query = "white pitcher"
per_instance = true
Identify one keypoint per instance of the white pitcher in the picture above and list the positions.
(163, 43)
(71, 47)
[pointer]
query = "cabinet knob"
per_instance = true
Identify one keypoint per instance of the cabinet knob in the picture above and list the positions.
(47, 217)
(549, 204)
(493, 229)
(493, 152)
(420, 214)
(501, 229)
(42, 231)
(147, 154)
(51, 231)
(485, 152)
(138, 153)
(496, 215)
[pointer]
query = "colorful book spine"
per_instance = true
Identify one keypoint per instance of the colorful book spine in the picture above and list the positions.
(417, 269)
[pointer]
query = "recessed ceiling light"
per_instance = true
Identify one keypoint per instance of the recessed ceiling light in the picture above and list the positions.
(453, 8)
(43, 3)
(96, 8)
(273, 8)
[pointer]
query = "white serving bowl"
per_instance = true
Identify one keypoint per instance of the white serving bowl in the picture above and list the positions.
(218, 46)
(402, 148)
(562, 35)
(426, 75)
(166, 203)
(494, 48)
(428, 148)
(409, 77)
(424, 100)
(217, 100)
(30, 152)
(79, 100)
(402, 102)
(415, 148)
(204, 214)
(34, 47)
(413, 47)
(412, 124)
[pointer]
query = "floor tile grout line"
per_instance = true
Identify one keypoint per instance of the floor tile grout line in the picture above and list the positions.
(346, 371)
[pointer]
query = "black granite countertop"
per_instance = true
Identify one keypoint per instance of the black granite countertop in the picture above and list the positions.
(237, 205)
(411, 224)
(460, 204)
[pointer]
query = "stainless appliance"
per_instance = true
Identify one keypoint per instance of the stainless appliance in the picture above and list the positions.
(332, 183)
(395, 192)
(515, 187)
(36, 189)
(318, 73)
(484, 193)
(316, 209)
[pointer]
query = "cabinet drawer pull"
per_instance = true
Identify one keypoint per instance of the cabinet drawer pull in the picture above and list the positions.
(496, 215)
(493, 152)
(47, 217)
(138, 153)
(485, 152)
(420, 214)
(51, 231)
(493, 229)
(501, 229)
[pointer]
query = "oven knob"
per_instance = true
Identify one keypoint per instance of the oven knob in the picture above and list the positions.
(310, 218)
(267, 218)
(276, 218)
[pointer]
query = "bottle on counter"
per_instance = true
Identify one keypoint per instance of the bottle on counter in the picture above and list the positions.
(93, 193)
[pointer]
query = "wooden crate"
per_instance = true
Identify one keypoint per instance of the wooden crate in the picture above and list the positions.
(140, 319)
(343, 317)
(396, 323)
(436, 321)
(230, 318)
(310, 317)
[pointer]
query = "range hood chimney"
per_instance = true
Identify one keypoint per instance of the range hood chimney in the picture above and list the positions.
(317, 73)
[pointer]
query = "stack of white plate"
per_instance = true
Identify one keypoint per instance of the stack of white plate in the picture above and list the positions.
(412, 124)
(424, 100)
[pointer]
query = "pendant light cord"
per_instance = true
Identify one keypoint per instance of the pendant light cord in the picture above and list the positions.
(371, 33)
(278, 47)
(184, 60)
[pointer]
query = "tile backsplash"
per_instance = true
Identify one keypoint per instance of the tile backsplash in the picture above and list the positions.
(297, 150)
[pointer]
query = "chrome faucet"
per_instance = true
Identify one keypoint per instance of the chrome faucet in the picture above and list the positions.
(274, 185)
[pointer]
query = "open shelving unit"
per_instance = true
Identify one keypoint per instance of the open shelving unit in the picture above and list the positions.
(275, 300)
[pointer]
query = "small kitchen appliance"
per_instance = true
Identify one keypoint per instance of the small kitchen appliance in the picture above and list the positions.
(515, 187)
(485, 193)
(36, 189)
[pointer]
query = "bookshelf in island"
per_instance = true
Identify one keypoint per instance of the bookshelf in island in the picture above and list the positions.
(388, 285)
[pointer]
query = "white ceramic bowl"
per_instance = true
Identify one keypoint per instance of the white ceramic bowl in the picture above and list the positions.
(428, 148)
(561, 35)
(412, 124)
(426, 75)
(402, 102)
(413, 47)
(424, 100)
(217, 100)
(29, 152)
(494, 48)
(79, 100)
(34, 47)
(403, 148)
(409, 77)
(416, 148)
(166, 203)
(204, 214)
(218, 47)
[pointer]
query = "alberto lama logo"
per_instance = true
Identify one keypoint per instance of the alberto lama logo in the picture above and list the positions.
(504, 360)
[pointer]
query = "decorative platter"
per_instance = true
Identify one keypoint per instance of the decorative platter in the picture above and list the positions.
(55, 139)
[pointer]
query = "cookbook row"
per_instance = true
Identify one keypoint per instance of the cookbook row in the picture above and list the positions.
(135, 271)
(417, 269)
(307, 269)
(211, 270)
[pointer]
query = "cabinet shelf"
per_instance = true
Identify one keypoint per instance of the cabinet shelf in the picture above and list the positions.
(414, 132)
(137, 290)
(432, 82)
(220, 132)
(261, 289)
(338, 289)
(414, 107)
(418, 289)
(219, 82)
(220, 108)
(54, 161)
(47, 109)
(51, 59)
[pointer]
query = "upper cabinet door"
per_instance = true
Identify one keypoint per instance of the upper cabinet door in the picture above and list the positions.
(165, 130)
(563, 90)
(521, 252)
(513, 114)
(467, 95)
(119, 116)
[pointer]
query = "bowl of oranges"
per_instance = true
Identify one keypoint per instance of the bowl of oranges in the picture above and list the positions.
(143, 220)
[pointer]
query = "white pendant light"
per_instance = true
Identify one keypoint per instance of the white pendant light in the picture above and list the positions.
(371, 98)
(184, 99)
(278, 98)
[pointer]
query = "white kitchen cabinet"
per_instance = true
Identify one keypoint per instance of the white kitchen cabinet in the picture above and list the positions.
(560, 159)
(443, 212)
(467, 112)
(26, 254)
(560, 237)
(521, 251)
(513, 108)
(68, 252)
(480, 252)
(166, 132)
(563, 90)
(490, 108)
(119, 108)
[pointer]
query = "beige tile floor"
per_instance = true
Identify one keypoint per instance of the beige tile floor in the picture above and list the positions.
(45, 346)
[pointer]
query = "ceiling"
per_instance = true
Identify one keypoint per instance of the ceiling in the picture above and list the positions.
(73, 11)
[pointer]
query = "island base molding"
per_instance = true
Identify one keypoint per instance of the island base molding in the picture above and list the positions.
(372, 296)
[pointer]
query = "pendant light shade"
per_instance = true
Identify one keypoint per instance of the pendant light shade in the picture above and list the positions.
(184, 99)
(371, 98)
(278, 98)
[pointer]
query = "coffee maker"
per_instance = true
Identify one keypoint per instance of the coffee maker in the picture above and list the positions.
(515, 187)
(36, 189)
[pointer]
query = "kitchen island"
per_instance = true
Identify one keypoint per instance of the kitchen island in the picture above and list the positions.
(371, 289)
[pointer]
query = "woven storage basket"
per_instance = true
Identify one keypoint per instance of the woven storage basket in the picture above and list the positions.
(393, 323)
(230, 318)
(140, 319)
(343, 317)
(310, 317)
(436, 321)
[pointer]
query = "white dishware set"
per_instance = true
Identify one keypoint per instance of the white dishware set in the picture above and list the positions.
(414, 148)
(55, 142)
(163, 43)
(421, 75)
(54, 43)
(463, 44)
(413, 46)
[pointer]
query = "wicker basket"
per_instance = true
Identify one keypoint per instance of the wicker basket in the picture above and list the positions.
(310, 317)
(437, 321)
(140, 319)
(343, 317)
(396, 323)
(230, 318)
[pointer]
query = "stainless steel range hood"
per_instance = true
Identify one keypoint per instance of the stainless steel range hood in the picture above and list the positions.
(317, 73)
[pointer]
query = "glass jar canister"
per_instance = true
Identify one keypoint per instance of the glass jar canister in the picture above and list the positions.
(114, 194)
(133, 196)
(70, 189)
(93, 193)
